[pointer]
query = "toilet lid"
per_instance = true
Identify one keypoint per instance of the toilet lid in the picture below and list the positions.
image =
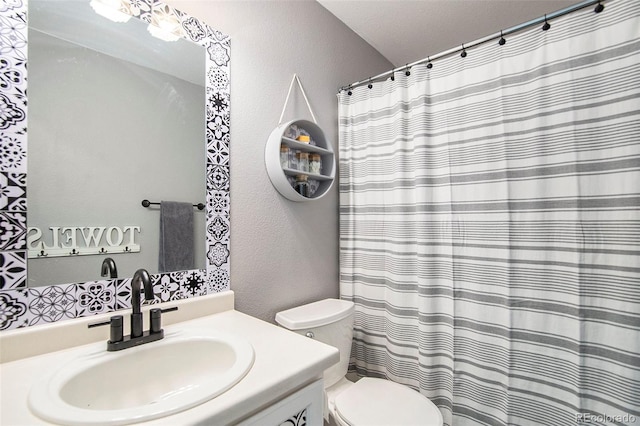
(381, 402)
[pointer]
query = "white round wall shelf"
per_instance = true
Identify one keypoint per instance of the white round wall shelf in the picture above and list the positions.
(283, 178)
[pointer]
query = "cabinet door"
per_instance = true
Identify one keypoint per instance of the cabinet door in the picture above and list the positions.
(303, 407)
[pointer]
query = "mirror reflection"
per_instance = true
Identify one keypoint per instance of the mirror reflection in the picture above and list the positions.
(115, 117)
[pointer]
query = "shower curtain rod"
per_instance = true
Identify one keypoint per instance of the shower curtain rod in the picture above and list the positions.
(545, 18)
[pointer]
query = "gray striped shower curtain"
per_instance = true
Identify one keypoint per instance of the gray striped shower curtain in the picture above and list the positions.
(490, 225)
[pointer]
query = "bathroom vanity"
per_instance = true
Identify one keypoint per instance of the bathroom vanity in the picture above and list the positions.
(283, 382)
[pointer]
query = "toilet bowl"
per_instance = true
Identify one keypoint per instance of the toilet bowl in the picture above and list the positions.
(369, 401)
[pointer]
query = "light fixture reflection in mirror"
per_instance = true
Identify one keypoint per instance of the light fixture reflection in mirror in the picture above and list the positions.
(110, 9)
(164, 24)
(161, 33)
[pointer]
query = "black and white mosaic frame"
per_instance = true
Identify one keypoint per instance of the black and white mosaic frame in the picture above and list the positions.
(21, 306)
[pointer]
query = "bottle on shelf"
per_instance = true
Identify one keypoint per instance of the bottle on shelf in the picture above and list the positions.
(303, 136)
(303, 161)
(284, 156)
(302, 185)
(315, 163)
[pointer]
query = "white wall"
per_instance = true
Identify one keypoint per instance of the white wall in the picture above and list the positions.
(282, 253)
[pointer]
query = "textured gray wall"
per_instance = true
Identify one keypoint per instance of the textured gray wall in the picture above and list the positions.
(282, 253)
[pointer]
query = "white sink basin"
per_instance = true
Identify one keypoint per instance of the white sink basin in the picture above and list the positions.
(154, 380)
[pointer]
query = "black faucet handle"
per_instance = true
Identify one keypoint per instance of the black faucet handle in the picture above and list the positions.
(98, 324)
(155, 318)
(116, 331)
(101, 323)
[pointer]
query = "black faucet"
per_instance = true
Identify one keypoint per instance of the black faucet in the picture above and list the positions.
(141, 276)
(109, 268)
(140, 281)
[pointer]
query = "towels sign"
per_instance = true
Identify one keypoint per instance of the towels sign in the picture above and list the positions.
(79, 241)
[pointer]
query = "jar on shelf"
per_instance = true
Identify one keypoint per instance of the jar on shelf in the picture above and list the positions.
(284, 156)
(302, 185)
(302, 161)
(315, 163)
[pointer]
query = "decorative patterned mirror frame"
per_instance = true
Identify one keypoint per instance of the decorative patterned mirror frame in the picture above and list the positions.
(21, 306)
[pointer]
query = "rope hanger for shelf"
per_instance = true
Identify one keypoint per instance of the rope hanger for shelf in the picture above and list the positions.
(296, 79)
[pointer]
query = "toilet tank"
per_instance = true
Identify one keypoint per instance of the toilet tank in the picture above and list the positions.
(330, 321)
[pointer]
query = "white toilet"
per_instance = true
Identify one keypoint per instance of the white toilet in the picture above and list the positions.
(368, 401)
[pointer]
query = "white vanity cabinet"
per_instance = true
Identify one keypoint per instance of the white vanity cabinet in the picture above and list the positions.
(303, 407)
(283, 178)
(283, 386)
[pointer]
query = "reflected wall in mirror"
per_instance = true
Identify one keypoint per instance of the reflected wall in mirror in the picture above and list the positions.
(157, 173)
(113, 129)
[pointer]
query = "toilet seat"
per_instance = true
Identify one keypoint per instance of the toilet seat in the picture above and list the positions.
(371, 401)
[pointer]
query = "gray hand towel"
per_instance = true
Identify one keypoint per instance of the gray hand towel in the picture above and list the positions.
(176, 237)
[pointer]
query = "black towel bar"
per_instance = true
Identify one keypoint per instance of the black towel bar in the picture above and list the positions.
(147, 203)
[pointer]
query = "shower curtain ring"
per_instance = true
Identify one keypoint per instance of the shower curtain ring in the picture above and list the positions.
(502, 40)
(429, 64)
(407, 72)
(599, 8)
(546, 25)
(464, 52)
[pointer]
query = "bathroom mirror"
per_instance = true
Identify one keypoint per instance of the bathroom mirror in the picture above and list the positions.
(116, 116)
(80, 296)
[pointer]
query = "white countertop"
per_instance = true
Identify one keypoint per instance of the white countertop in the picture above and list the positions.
(284, 362)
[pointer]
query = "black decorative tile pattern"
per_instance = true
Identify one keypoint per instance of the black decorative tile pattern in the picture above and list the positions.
(52, 303)
(13, 227)
(218, 177)
(219, 280)
(218, 228)
(13, 99)
(21, 307)
(193, 284)
(299, 419)
(194, 29)
(218, 254)
(167, 287)
(13, 269)
(13, 192)
(218, 202)
(95, 297)
(13, 309)
(13, 155)
(123, 293)
(218, 150)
